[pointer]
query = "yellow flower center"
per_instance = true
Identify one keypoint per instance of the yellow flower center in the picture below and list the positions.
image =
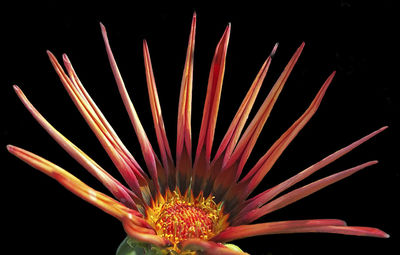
(177, 217)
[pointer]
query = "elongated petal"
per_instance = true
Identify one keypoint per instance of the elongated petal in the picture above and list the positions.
(232, 135)
(184, 130)
(202, 161)
(297, 226)
(117, 189)
(158, 120)
(99, 117)
(254, 177)
(77, 187)
(147, 150)
(302, 192)
(127, 170)
(208, 247)
(345, 230)
(235, 129)
(250, 136)
(214, 88)
(267, 195)
(243, 231)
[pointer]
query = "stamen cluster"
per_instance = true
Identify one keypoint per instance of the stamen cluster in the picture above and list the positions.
(178, 218)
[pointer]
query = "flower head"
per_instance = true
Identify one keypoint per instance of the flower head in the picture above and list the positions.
(190, 205)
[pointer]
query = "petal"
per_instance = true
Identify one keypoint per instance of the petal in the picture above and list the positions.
(250, 136)
(232, 135)
(117, 189)
(148, 153)
(210, 113)
(214, 88)
(235, 129)
(184, 133)
(297, 226)
(243, 231)
(208, 247)
(254, 177)
(267, 195)
(73, 184)
(107, 137)
(158, 120)
(302, 192)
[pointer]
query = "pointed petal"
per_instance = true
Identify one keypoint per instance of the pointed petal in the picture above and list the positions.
(211, 104)
(244, 231)
(157, 118)
(232, 135)
(345, 230)
(302, 192)
(269, 194)
(106, 138)
(148, 153)
(184, 133)
(250, 136)
(116, 188)
(254, 177)
(208, 247)
(109, 131)
(210, 113)
(77, 187)
(235, 129)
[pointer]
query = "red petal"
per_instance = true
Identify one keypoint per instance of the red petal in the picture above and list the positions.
(243, 231)
(103, 131)
(302, 192)
(79, 188)
(147, 151)
(158, 120)
(184, 133)
(267, 195)
(254, 177)
(210, 113)
(250, 136)
(296, 226)
(122, 193)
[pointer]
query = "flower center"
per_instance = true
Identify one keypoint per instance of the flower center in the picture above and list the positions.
(178, 217)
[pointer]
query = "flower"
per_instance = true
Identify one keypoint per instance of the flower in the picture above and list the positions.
(193, 205)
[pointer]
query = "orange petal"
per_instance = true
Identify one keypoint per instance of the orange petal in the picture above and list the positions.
(96, 122)
(208, 247)
(254, 177)
(157, 119)
(250, 136)
(148, 153)
(117, 189)
(267, 195)
(77, 187)
(244, 231)
(184, 133)
(302, 192)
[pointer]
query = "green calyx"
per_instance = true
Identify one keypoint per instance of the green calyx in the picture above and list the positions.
(130, 246)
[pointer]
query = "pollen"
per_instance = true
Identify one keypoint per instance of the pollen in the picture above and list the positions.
(180, 217)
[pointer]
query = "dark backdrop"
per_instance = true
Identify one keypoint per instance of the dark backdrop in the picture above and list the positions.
(355, 38)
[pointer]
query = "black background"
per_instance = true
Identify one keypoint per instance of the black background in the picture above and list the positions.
(357, 39)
